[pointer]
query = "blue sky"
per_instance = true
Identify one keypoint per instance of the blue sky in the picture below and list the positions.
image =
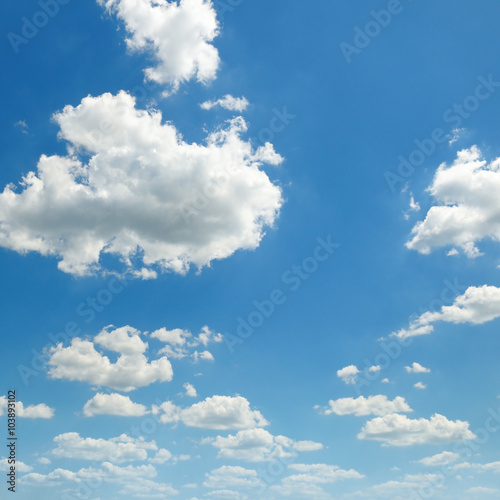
(291, 294)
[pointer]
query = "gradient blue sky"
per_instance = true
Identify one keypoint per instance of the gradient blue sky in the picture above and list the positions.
(351, 121)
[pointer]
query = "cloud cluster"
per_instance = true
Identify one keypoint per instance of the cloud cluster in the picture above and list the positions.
(476, 306)
(216, 412)
(467, 209)
(143, 196)
(399, 430)
(178, 34)
(180, 343)
(82, 362)
(259, 445)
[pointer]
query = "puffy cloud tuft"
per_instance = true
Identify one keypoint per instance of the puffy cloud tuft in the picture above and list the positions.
(178, 34)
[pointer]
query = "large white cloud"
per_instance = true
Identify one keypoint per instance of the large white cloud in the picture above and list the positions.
(476, 306)
(117, 450)
(82, 362)
(32, 411)
(399, 430)
(178, 34)
(113, 404)
(144, 196)
(467, 209)
(372, 405)
(216, 412)
(259, 445)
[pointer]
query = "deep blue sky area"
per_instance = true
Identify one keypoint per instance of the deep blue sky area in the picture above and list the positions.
(342, 127)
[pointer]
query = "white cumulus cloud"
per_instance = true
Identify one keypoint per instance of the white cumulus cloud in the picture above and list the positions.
(31, 411)
(378, 405)
(476, 306)
(467, 208)
(113, 404)
(417, 368)
(348, 374)
(82, 362)
(216, 412)
(131, 188)
(177, 34)
(399, 430)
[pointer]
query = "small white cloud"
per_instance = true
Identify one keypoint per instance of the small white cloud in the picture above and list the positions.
(399, 430)
(386, 381)
(374, 369)
(190, 390)
(348, 374)
(32, 411)
(373, 405)
(444, 458)
(227, 102)
(44, 460)
(113, 404)
(420, 385)
(417, 368)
